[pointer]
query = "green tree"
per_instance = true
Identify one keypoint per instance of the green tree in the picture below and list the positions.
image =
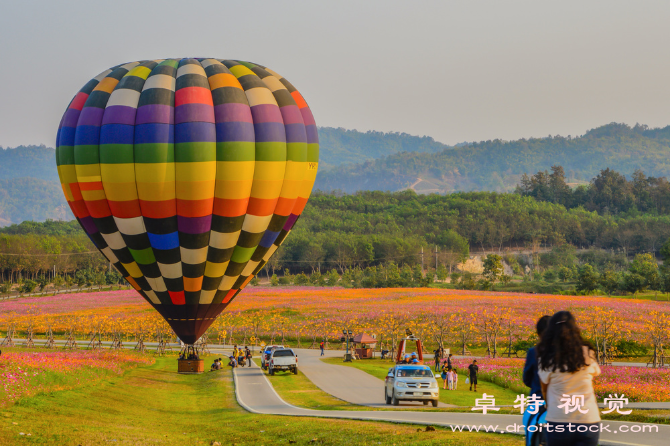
(442, 272)
(587, 279)
(633, 282)
(28, 286)
(274, 281)
(493, 267)
(565, 273)
(645, 266)
(301, 279)
(665, 252)
(610, 281)
(333, 277)
(316, 278)
(550, 275)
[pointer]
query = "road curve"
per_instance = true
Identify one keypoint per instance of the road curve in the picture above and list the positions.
(255, 394)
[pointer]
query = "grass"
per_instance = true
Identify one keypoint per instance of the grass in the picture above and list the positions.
(460, 397)
(300, 391)
(153, 405)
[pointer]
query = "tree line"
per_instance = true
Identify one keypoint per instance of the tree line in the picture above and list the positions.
(609, 193)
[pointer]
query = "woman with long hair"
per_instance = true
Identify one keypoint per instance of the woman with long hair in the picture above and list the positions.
(566, 366)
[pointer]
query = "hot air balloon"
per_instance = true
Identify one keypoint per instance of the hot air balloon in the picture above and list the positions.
(187, 174)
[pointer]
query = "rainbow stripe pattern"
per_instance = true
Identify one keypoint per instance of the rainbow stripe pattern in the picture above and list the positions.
(188, 174)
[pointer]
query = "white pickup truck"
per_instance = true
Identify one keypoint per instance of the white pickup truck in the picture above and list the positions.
(283, 359)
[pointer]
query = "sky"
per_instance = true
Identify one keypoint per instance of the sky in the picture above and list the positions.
(457, 71)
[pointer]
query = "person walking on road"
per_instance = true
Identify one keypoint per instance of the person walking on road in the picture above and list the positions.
(321, 346)
(437, 359)
(473, 369)
(567, 365)
(530, 376)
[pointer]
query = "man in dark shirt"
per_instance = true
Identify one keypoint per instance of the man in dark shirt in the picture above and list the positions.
(530, 376)
(474, 369)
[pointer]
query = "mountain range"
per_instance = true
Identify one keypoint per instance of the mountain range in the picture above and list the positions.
(351, 161)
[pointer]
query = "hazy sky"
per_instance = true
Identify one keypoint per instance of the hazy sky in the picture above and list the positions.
(456, 71)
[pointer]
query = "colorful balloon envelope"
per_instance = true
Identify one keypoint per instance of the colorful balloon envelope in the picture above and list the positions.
(187, 174)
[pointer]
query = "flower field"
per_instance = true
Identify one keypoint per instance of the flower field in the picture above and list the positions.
(25, 373)
(637, 383)
(293, 315)
(308, 311)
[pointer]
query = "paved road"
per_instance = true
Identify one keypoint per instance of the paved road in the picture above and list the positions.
(347, 383)
(255, 393)
(358, 387)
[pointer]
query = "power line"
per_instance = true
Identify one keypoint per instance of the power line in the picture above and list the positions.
(49, 255)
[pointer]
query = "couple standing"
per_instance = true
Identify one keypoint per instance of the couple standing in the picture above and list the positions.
(562, 367)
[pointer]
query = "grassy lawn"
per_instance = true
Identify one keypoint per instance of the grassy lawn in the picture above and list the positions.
(460, 397)
(153, 405)
(300, 391)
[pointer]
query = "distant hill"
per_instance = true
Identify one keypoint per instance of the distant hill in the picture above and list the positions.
(341, 146)
(498, 165)
(31, 199)
(352, 161)
(30, 189)
(28, 161)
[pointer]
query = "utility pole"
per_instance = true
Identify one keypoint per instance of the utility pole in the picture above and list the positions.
(422, 260)
(435, 259)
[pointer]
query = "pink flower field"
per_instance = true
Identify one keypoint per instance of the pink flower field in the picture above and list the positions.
(637, 383)
(28, 373)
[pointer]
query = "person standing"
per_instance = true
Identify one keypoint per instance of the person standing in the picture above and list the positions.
(248, 355)
(566, 366)
(444, 376)
(321, 346)
(437, 359)
(449, 360)
(530, 376)
(455, 378)
(473, 369)
(450, 378)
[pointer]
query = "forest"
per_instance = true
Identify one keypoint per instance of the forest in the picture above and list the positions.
(343, 232)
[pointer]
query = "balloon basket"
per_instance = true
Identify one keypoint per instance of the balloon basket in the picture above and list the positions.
(189, 362)
(190, 366)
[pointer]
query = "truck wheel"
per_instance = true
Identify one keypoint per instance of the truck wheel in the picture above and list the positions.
(394, 400)
(434, 403)
(425, 403)
(295, 370)
(271, 371)
(387, 398)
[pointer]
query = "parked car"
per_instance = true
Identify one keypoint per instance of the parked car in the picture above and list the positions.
(411, 383)
(283, 359)
(265, 355)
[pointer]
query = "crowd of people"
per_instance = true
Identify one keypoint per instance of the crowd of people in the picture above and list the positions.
(239, 358)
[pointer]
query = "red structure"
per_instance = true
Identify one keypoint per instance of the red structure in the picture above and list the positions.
(402, 346)
(365, 345)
